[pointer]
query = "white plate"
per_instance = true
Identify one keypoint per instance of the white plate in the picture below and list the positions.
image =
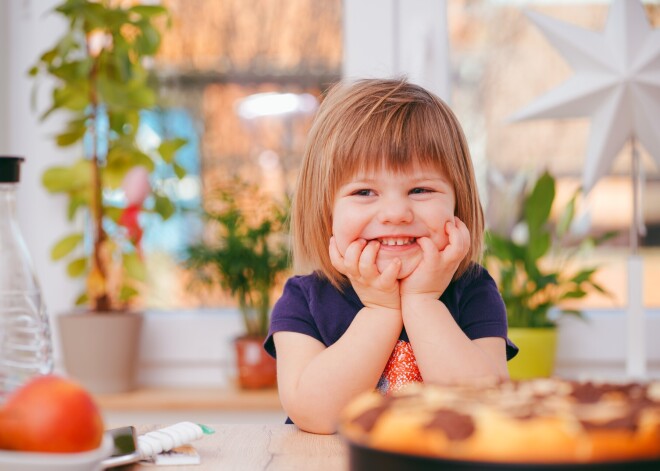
(32, 461)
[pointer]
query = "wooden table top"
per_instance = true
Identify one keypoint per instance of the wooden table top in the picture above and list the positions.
(229, 398)
(248, 447)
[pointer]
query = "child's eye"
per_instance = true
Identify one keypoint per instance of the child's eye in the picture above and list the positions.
(418, 191)
(363, 192)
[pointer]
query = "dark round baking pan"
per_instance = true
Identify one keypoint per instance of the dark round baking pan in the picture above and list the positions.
(362, 458)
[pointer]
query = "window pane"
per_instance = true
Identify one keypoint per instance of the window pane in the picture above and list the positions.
(501, 63)
(216, 54)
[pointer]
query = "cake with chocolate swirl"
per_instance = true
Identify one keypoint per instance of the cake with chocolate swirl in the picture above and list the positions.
(541, 421)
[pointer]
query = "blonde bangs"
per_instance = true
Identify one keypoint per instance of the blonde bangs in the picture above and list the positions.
(390, 130)
(393, 142)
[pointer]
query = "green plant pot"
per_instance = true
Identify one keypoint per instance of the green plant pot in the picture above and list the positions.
(536, 358)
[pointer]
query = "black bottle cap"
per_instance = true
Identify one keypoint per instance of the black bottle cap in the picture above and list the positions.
(10, 168)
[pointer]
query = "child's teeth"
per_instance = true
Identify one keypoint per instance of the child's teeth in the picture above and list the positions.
(397, 241)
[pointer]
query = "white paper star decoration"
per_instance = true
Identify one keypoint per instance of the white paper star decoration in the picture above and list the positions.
(616, 82)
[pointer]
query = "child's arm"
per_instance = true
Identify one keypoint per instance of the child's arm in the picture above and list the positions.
(444, 353)
(317, 382)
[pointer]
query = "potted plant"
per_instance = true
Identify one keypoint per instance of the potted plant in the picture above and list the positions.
(247, 256)
(532, 265)
(101, 83)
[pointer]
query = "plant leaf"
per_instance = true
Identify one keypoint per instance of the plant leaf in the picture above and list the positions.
(77, 200)
(583, 275)
(77, 267)
(68, 138)
(134, 266)
(127, 293)
(575, 294)
(148, 41)
(566, 217)
(148, 11)
(82, 299)
(179, 170)
(65, 179)
(113, 213)
(164, 207)
(167, 149)
(73, 96)
(66, 245)
(538, 246)
(539, 203)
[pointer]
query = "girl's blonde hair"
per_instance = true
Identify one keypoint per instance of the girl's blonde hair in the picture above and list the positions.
(368, 125)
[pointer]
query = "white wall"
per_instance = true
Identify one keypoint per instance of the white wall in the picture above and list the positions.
(390, 38)
(597, 347)
(31, 30)
(4, 66)
(195, 348)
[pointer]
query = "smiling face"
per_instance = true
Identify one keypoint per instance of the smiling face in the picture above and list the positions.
(395, 208)
(362, 125)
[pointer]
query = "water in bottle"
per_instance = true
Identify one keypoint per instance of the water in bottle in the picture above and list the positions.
(25, 340)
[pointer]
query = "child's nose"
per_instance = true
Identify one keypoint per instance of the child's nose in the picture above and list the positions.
(395, 211)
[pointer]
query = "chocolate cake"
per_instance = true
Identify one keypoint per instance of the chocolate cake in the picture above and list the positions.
(536, 422)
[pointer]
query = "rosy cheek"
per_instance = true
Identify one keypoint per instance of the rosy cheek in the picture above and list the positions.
(342, 244)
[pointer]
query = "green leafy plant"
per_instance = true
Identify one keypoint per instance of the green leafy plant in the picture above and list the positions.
(102, 84)
(534, 274)
(249, 254)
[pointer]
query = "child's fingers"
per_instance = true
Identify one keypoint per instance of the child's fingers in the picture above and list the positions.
(367, 262)
(463, 229)
(462, 234)
(391, 272)
(459, 239)
(335, 257)
(465, 235)
(428, 246)
(430, 253)
(352, 257)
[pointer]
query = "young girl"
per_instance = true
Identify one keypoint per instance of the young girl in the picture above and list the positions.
(387, 221)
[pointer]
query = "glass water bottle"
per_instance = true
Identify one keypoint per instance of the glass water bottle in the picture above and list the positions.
(25, 340)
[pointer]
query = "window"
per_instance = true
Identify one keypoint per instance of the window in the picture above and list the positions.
(502, 62)
(219, 55)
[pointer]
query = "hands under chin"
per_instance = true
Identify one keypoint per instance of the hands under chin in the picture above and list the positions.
(358, 264)
(436, 269)
(408, 264)
(384, 286)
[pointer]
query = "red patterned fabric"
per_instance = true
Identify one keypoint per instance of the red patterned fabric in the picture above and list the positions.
(401, 369)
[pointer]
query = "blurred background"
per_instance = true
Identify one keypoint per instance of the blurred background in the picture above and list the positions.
(240, 81)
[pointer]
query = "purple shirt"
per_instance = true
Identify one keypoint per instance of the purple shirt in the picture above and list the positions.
(310, 305)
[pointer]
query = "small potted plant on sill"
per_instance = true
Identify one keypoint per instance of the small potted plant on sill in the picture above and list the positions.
(101, 83)
(533, 269)
(247, 257)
